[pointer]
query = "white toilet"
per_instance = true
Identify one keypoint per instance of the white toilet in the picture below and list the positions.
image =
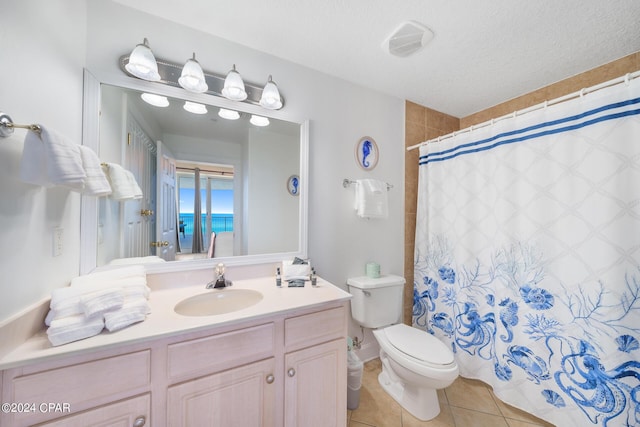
(414, 362)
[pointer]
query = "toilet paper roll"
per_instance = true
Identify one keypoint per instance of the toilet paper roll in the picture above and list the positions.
(372, 269)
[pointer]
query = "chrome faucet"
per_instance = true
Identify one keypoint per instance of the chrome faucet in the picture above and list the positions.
(220, 281)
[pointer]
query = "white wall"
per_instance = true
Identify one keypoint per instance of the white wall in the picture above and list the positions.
(50, 37)
(43, 54)
(270, 206)
(340, 114)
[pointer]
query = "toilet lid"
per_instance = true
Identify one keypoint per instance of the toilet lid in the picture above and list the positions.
(419, 344)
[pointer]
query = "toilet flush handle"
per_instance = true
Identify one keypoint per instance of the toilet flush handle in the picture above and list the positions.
(366, 293)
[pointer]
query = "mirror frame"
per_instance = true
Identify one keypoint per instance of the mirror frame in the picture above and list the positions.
(91, 138)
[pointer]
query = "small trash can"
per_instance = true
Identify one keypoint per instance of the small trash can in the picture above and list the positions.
(354, 379)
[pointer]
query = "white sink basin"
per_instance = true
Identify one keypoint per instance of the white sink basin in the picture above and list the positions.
(218, 301)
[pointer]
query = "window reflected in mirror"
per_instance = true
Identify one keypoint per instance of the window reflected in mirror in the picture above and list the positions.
(216, 211)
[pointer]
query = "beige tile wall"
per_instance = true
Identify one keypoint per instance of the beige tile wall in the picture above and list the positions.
(422, 124)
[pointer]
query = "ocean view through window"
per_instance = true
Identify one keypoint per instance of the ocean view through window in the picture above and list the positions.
(216, 203)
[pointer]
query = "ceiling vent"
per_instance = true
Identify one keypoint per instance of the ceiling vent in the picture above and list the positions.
(407, 39)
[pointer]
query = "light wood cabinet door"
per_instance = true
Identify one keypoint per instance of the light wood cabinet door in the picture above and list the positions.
(243, 396)
(316, 386)
(131, 412)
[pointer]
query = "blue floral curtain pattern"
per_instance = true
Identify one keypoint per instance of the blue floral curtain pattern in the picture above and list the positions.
(527, 259)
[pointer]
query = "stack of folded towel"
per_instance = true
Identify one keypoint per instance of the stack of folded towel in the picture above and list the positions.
(113, 299)
(50, 159)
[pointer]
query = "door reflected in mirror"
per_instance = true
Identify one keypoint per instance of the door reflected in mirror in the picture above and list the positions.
(214, 184)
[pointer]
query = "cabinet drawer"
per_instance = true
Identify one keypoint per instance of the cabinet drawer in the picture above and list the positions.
(123, 413)
(85, 382)
(315, 328)
(215, 353)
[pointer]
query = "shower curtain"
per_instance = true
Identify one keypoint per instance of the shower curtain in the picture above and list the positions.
(527, 258)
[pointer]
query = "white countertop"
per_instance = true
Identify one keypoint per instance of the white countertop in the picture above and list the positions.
(164, 322)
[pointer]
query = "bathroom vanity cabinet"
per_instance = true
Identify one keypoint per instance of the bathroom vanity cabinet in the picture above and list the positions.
(287, 369)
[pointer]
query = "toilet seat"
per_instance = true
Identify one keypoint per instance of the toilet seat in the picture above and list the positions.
(442, 367)
(419, 345)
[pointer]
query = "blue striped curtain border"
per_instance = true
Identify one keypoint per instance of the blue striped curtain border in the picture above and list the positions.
(547, 129)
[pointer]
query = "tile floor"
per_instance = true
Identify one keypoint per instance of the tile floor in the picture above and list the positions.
(466, 403)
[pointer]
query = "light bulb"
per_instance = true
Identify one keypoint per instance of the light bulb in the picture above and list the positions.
(142, 63)
(271, 96)
(259, 120)
(228, 114)
(155, 100)
(195, 108)
(192, 77)
(234, 86)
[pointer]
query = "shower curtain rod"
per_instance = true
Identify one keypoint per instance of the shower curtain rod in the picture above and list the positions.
(624, 79)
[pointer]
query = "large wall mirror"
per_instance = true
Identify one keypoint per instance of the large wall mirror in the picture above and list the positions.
(216, 186)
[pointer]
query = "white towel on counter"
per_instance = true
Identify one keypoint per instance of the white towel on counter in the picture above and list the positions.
(371, 199)
(74, 328)
(96, 182)
(102, 301)
(97, 296)
(123, 183)
(133, 311)
(66, 301)
(291, 271)
(50, 159)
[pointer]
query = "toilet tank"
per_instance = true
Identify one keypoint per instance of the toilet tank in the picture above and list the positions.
(376, 302)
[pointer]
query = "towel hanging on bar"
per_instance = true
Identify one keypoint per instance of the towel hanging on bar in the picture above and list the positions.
(371, 199)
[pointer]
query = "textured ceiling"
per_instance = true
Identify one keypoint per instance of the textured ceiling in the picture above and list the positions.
(484, 51)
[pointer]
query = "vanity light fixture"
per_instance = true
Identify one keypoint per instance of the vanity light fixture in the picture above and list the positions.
(155, 100)
(142, 63)
(234, 86)
(195, 108)
(271, 96)
(192, 77)
(259, 120)
(228, 114)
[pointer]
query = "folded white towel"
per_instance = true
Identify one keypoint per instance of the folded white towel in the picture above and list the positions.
(51, 315)
(74, 328)
(292, 271)
(96, 182)
(66, 301)
(123, 183)
(133, 311)
(137, 191)
(371, 199)
(50, 159)
(136, 291)
(102, 301)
